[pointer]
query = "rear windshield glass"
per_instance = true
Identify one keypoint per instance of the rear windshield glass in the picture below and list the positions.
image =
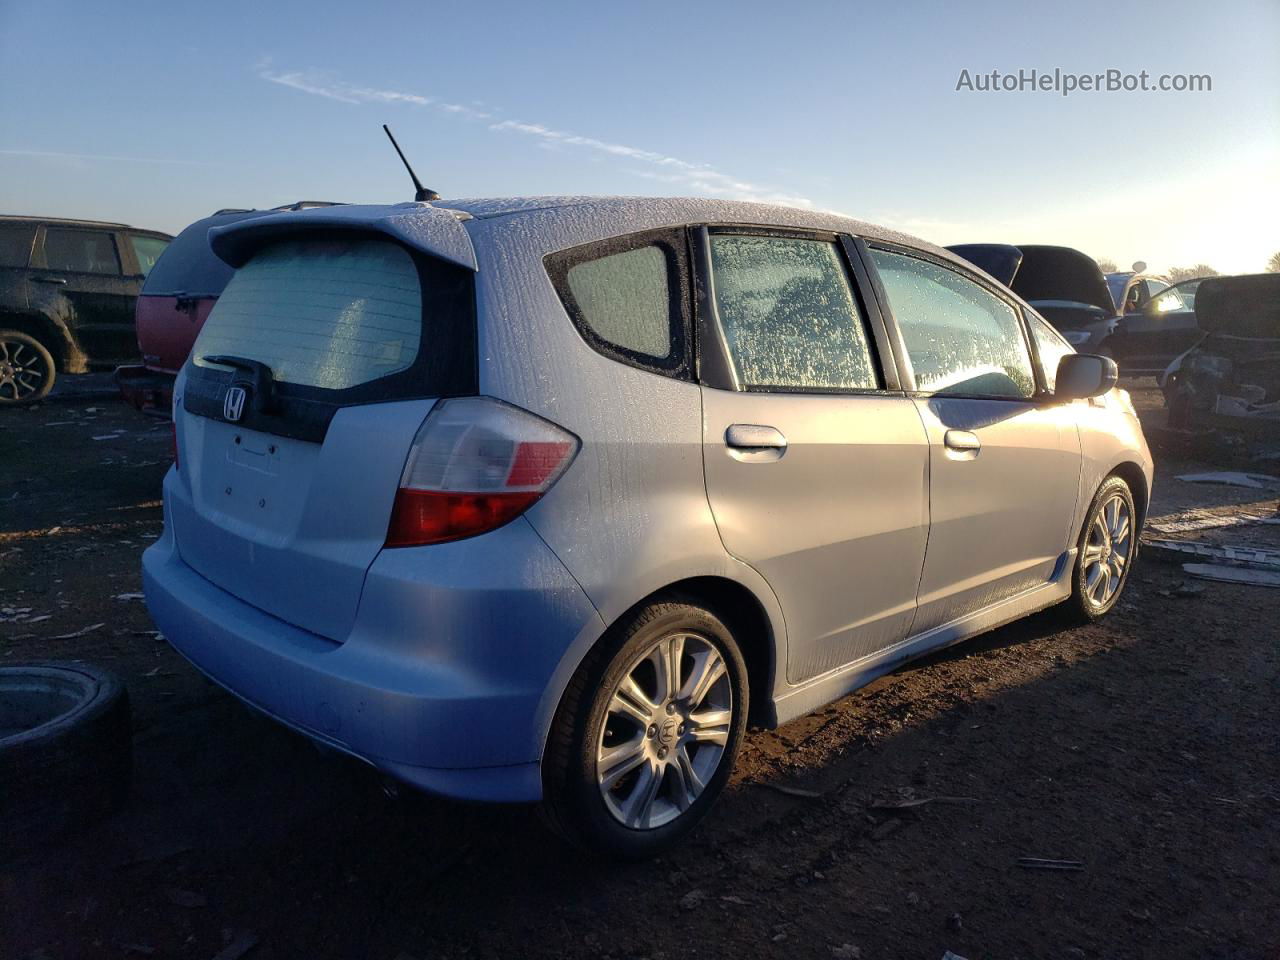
(188, 266)
(320, 312)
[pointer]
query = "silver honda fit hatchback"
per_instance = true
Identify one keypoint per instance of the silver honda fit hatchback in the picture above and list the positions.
(545, 499)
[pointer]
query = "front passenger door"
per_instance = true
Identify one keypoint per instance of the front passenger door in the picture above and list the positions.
(1004, 462)
(816, 470)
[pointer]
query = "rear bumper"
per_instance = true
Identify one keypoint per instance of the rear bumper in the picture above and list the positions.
(150, 391)
(441, 685)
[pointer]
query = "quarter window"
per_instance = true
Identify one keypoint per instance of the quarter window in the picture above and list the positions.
(625, 299)
(629, 298)
(80, 251)
(961, 339)
(1051, 347)
(147, 250)
(789, 315)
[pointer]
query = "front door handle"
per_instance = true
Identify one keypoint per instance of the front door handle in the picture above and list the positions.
(754, 436)
(962, 444)
(58, 280)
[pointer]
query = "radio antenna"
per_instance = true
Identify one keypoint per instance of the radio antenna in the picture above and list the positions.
(420, 193)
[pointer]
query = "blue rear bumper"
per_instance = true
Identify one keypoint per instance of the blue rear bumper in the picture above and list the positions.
(448, 680)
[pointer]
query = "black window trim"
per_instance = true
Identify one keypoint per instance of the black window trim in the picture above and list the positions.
(715, 366)
(674, 244)
(304, 412)
(983, 281)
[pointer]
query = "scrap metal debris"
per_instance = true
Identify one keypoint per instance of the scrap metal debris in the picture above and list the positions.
(1235, 556)
(1193, 520)
(1039, 863)
(79, 633)
(1226, 574)
(1234, 478)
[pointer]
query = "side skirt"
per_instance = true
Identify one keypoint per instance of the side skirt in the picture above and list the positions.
(818, 692)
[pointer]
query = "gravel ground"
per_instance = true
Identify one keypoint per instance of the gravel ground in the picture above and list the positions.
(1144, 747)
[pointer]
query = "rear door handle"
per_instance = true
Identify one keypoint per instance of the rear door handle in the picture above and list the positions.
(754, 443)
(754, 436)
(58, 280)
(962, 442)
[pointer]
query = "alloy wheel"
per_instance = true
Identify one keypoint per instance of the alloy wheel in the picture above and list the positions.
(1107, 550)
(665, 731)
(22, 371)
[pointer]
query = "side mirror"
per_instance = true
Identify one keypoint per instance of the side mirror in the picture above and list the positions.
(1084, 375)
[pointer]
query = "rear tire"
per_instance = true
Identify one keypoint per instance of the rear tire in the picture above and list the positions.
(635, 760)
(1105, 553)
(27, 369)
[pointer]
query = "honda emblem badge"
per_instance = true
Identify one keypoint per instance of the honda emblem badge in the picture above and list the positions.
(233, 403)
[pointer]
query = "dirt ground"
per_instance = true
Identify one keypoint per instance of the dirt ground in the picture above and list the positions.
(1145, 747)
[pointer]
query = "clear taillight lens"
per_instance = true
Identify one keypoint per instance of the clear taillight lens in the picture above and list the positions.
(476, 464)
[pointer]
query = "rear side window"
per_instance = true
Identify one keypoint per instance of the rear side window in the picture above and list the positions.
(961, 338)
(320, 313)
(80, 251)
(15, 244)
(629, 298)
(788, 314)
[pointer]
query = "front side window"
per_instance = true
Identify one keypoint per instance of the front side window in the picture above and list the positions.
(80, 251)
(961, 338)
(147, 251)
(320, 313)
(789, 315)
(15, 244)
(1051, 347)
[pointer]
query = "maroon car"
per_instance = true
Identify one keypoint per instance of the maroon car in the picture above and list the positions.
(174, 303)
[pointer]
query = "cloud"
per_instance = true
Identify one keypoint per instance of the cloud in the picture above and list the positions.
(699, 177)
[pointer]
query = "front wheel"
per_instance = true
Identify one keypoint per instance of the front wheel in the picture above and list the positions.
(26, 368)
(647, 732)
(1105, 553)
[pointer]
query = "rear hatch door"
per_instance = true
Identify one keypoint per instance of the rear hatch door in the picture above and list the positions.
(301, 399)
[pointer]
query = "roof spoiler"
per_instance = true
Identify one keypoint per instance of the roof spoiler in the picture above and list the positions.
(431, 230)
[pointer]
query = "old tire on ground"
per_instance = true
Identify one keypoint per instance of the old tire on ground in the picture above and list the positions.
(1106, 550)
(27, 369)
(635, 760)
(65, 749)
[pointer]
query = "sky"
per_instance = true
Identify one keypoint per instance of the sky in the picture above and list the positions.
(159, 113)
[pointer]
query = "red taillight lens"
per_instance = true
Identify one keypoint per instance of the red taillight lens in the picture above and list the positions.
(476, 464)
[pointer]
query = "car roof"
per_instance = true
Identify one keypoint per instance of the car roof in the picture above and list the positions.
(111, 224)
(550, 222)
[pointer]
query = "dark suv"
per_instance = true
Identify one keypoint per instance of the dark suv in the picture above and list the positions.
(67, 292)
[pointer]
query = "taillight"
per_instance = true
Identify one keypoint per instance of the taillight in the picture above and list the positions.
(476, 464)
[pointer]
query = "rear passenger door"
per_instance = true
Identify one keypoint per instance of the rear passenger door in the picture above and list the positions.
(816, 464)
(1004, 459)
(81, 278)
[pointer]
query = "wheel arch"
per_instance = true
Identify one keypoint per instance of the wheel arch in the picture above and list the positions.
(1132, 474)
(51, 332)
(748, 616)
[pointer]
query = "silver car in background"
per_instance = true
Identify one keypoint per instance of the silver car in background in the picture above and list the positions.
(543, 499)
